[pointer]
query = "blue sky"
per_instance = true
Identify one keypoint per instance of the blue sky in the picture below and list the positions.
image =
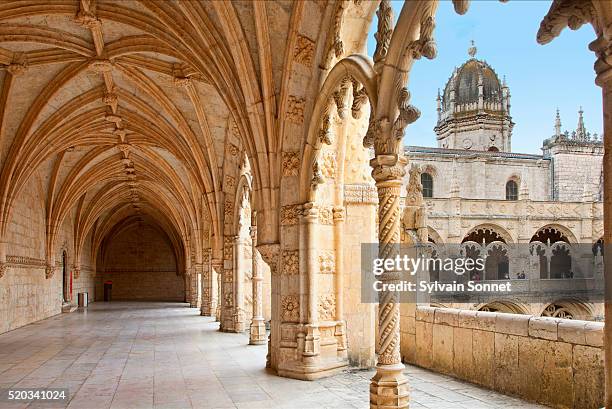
(541, 77)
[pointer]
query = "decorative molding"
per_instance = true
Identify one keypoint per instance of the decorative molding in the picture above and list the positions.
(360, 193)
(23, 262)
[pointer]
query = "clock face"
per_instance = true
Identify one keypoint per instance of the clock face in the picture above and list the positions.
(467, 143)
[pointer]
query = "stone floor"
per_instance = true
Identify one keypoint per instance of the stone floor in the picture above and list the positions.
(161, 355)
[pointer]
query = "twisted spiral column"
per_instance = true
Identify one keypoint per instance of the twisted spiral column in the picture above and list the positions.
(389, 386)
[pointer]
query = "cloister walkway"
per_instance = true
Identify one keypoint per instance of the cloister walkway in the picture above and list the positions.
(165, 355)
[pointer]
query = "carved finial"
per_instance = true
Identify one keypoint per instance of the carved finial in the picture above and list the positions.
(581, 133)
(414, 190)
(558, 124)
(472, 50)
(384, 31)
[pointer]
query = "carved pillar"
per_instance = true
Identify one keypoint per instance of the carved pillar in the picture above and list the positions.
(257, 334)
(338, 214)
(207, 308)
(389, 386)
(198, 285)
(270, 253)
(312, 337)
(239, 265)
(216, 266)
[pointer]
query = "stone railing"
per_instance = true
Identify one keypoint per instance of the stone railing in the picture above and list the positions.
(552, 361)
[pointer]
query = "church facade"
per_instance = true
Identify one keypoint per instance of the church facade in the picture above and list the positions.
(540, 217)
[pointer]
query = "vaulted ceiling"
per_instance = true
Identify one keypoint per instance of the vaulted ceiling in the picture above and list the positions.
(140, 107)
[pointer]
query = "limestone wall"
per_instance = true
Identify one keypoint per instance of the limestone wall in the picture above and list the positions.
(552, 361)
(141, 264)
(485, 176)
(26, 295)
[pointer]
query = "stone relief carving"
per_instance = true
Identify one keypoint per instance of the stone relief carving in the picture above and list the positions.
(290, 263)
(291, 308)
(327, 262)
(290, 163)
(327, 307)
(304, 50)
(326, 215)
(329, 164)
(295, 109)
(230, 182)
(290, 215)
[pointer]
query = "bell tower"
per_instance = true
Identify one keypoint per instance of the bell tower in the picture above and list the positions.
(474, 109)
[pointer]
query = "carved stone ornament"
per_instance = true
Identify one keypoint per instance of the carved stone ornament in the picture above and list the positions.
(290, 308)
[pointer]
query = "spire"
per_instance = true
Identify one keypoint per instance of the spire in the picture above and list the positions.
(472, 50)
(439, 104)
(581, 130)
(558, 124)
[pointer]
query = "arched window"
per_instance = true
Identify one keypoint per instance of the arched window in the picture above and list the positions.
(427, 183)
(493, 149)
(511, 190)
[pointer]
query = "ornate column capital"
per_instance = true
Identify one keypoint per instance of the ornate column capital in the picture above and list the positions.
(388, 167)
(309, 212)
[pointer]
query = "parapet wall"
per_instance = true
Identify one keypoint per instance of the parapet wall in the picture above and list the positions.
(557, 362)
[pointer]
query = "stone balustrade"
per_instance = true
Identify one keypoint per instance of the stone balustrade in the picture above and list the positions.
(553, 361)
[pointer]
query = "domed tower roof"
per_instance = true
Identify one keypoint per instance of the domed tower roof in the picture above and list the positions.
(466, 79)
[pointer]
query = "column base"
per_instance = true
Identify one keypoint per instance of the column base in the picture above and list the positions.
(389, 388)
(311, 371)
(257, 334)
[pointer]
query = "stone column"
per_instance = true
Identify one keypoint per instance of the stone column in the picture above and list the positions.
(257, 335)
(389, 386)
(216, 267)
(312, 338)
(239, 266)
(198, 285)
(604, 79)
(270, 253)
(340, 333)
(207, 308)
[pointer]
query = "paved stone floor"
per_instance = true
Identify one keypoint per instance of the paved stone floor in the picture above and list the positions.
(161, 355)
